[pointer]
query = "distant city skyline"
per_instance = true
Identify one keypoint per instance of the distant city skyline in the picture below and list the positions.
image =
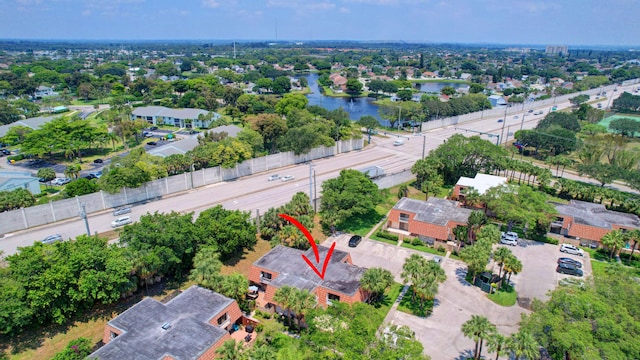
(534, 22)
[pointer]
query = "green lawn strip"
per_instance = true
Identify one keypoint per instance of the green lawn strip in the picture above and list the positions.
(506, 296)
(413, 307)
(389, 298)
(423, 248)
(377, 238)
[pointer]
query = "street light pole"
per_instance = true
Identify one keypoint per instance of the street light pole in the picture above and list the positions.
(83, 215)
(503, 122)
(424, 144)
(311, 184)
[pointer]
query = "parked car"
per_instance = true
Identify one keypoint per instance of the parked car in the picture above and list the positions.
(57, 181)
(97, 175)
(98, 161)
(287, 178)
(6, 152)
(153, 128)
(355, 240)
(273, 177)
(52, 239)
(398, 142)
(509, 238)
(147, 134)
(64, 181)
(90, 177)
(569, 270)
(121, 211)
(152, 143)
(570, 261)
(121, 221)
(570, 249)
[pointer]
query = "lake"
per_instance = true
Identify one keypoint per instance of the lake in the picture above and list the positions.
(360, 106)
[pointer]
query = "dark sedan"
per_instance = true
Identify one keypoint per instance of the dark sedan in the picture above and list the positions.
(569, 270)
(570, 261)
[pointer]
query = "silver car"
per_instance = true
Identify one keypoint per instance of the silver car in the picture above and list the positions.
(121, 211)
(273, 177)
(52, 239)
(287, 178)
(121, 221)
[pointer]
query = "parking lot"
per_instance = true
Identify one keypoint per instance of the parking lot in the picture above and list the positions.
(457, 300)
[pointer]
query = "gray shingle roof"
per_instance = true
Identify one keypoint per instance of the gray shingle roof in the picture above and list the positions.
(33, 123)
(188, 337)
(597, 215)
(434, 211)
(294, 271)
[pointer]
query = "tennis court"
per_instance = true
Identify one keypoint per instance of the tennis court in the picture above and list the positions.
(609, 119)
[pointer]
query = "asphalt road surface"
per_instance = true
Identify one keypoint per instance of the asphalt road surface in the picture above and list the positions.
(256, 193)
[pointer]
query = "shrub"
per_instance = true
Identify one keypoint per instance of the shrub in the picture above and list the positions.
(387, 235)
(416, 242)
(441, 249)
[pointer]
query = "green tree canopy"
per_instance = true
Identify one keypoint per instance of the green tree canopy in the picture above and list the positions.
(229, 231)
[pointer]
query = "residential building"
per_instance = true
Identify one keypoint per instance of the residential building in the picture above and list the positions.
(432, 220)
(557, 50)
(33, 123)
(11, 180)
(285, 266)
(182, 118)
(42, 91)
(188, 144)
(497, 101)
(588, 222)
(190, 326)
(339, 81)
(481, 182)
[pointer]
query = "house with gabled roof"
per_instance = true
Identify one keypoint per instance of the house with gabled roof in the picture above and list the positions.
(431, 221)
(193, 325)
(182, 118)
(589, 222)
(480, 182)
(285, 266)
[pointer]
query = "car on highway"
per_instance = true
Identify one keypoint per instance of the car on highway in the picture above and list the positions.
(273, 177)
(98, 161)
(398, 142)
(530, 111)
(515, 116)
(121, 221)
(152, 143)
(287, 178)
(121, 211)
(500, 120)
(570, 261)
(355, 240)
(52, 239)
(571, 249)
(509, 238)
(569, 270)
(539, 112)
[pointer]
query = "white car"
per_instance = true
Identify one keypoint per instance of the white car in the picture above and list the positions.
(273, 177)
(570, 249)
(57, 181)
(121, 211)
(287, 178)
(52, 239)
(121, 221)
(398, 142)
(509, 238)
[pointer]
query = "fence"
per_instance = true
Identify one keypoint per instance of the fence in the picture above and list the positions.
(516, 109)
(69, 208)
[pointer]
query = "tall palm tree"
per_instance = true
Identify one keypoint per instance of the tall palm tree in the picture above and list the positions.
(235, 286)
(512, 266)
(72, 171)
(632, 235)
(231, 350)
(496, 343)
(411, 270)
(500, 256)
(614, 240)
(474, 222)
(206, 268)
(478, 328)
(374, 282)
(284, 298)
(301, 301)
(522, 345)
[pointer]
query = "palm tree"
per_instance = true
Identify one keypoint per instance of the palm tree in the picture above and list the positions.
(474, 222)
(262, 352)
(300, 302)
(496, 343)
(522, 345)
(411, 270)
(478, 328)
(512, 266)
(500, 256)
(403, 190)
(284, 298)
(206, 268)
(235, 286)
(374, 282)
(231, 350)
(613, 240)
(632, 235)
(72, 171)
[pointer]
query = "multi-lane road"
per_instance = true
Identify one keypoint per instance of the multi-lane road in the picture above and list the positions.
(255, 193)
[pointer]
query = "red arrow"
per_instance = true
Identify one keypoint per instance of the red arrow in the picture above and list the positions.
(307, 234)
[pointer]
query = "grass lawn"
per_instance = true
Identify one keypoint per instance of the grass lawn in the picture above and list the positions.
(377, 238)
(423, 248)
(413, 308)
(506, 296)
(389, 298)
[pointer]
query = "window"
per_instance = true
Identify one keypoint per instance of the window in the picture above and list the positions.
(112, 335)
(404, 217)
(265, 276)
(331, 298)
(222, 319)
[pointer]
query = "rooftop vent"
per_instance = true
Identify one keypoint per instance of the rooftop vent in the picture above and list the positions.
(166, 326)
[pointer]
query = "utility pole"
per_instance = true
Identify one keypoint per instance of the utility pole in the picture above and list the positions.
(424, 144)
(83, 215)
(399, 112)
(503, 122)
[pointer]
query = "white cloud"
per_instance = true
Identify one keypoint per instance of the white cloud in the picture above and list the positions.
(344, 10)
(210, 3)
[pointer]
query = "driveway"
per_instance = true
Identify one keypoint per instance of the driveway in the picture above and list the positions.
(457, 300)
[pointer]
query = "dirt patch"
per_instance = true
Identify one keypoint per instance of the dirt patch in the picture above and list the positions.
(242, 263)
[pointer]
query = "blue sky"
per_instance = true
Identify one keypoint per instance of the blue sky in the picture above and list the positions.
(562, 22)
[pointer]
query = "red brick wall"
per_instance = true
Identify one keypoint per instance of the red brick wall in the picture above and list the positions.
(587, 232)
(254, 273)
(210, 354)
(106, 337)
(233, 312)
(270, 291)
(456, 191)
(322, 292)
(418, 227)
